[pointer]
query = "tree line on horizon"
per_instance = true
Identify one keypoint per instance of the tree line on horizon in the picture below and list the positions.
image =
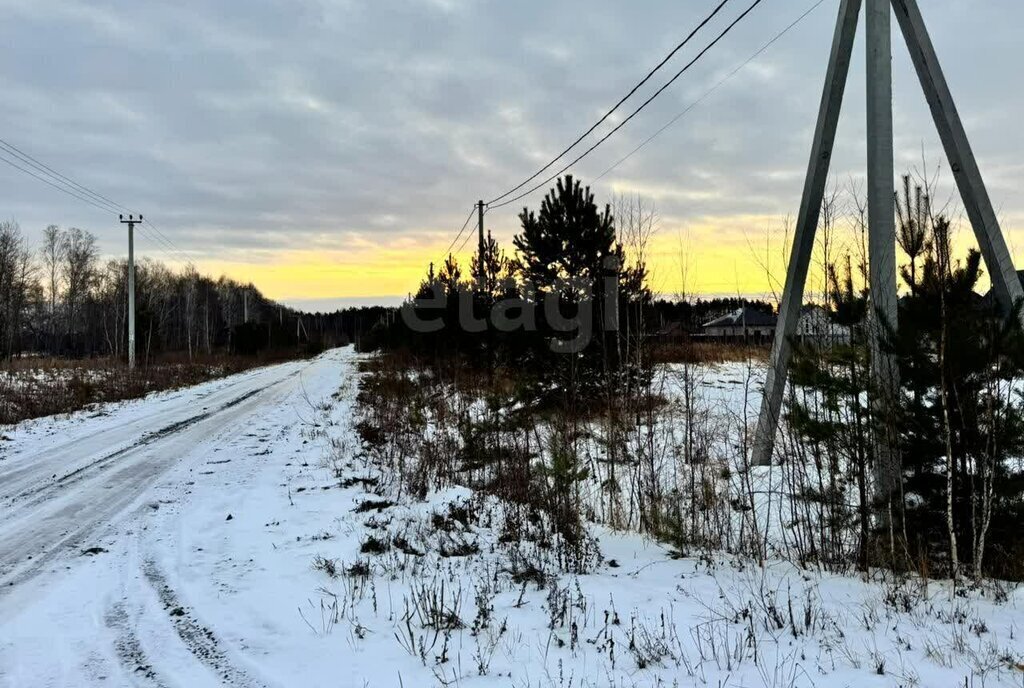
(64, 300)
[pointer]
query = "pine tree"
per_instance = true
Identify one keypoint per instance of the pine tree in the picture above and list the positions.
(496, 271)
(960, 423)
(568, 251)
(569, 239)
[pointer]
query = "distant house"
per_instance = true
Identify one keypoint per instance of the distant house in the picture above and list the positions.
(745, 324)
(815, 326)
(671, 333)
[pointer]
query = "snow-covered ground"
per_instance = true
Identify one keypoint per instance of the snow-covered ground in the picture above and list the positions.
(231, 534)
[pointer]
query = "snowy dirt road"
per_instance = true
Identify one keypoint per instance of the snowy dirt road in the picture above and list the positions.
(238, 534)
(93, 506)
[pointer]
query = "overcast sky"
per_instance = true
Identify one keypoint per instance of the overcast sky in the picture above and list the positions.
(328, 149)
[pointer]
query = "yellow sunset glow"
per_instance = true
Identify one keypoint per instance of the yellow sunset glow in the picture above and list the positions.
(742, 255)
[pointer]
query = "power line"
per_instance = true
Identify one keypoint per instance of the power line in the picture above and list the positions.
(760, 51)
(54, 174)
(163, 236)
(159, 236)
(714, 88)
(616, 106)
(459, 235)
(468, 237)
(69, 186)
(160, 246)
(68, 191)
(647, 102)
(640, 108)
(462, 231)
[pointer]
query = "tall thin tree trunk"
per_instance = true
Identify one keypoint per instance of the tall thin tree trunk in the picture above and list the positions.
(954, 560)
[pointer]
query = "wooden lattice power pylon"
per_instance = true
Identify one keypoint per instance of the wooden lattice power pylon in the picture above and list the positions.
(881, 208)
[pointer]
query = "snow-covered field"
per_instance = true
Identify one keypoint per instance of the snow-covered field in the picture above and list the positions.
(231, 534)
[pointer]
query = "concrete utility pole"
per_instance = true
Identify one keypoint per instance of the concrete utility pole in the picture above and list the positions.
(481, 269)
(880, 202)
(131, 285)
(881, 234)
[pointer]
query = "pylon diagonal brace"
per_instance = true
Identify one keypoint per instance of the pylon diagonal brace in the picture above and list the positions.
(806, 226)
(958, 150)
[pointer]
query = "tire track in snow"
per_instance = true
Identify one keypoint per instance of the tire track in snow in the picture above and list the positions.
(54, 521)
(33, 472)
(128, 649)
(9, 475)
(146, 440)
(199, 639)
(151, 437)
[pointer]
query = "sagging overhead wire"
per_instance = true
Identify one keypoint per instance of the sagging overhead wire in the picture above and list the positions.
(711, 90)
(459, 235)
(33, 167)
(468, 236)
(615, 107)
(637, 111)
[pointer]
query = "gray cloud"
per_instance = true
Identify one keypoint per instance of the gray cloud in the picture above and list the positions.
(273, 124)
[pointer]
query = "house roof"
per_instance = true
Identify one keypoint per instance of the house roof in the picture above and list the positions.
(745, 316)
